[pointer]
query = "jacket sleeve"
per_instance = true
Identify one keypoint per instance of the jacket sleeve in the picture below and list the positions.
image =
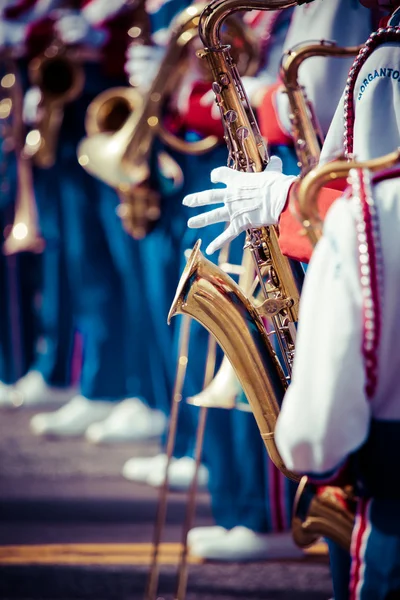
(325, 414)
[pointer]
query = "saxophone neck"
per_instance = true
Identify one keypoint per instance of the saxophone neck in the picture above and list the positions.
(309, 189)
(217, 11)
(306, 130)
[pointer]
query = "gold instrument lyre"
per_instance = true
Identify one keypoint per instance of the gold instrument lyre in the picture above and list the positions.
(24, 234)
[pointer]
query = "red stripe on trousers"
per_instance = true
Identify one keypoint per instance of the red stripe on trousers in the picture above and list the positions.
(356, 558)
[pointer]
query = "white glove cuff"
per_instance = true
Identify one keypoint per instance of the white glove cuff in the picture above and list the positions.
(278, 196)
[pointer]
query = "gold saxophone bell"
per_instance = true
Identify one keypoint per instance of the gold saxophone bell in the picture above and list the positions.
(23, 235)
(213, 299)
(60, 78)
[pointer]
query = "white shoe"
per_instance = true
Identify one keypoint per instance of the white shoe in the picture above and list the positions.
(131, 420)
(200, 534)
(152, 471)
(5, 395)
(32, 390)
(242, 544)
(222, 391)
(180, 475)
(138, 469)
(72, 419)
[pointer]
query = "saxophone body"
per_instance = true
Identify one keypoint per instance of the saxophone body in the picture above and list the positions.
(206, 292)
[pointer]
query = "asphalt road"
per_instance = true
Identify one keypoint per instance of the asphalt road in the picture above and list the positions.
(72, 527)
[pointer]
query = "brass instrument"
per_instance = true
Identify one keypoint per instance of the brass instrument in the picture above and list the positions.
(120, 157)
(309, 188)
(59, 75)
(206, 292)
(306, 130)
(23, 235)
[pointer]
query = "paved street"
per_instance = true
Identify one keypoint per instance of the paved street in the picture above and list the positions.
(72, 527)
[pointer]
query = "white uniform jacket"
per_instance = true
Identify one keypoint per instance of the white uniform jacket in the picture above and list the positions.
(347, 362)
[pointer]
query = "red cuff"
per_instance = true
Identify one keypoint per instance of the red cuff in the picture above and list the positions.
(198, 118)
(291, 240)
(268, 118)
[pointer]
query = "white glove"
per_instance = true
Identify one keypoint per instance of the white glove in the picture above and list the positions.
(31, 105)
(12, 35)
(142, 64)
(75, 29)
(250, 200)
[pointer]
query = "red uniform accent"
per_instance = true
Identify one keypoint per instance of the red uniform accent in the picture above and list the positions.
(291, 241)
(198, 118)
(268, 118)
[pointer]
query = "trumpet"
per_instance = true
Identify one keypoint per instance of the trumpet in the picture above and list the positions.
(59, 75)
(121, 156)
(23, 235)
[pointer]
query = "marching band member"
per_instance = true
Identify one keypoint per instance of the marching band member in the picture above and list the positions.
(97, 255)
(246, 542)
(49, 376)
(349, 374)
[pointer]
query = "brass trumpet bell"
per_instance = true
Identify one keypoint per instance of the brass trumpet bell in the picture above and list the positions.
(23, 235)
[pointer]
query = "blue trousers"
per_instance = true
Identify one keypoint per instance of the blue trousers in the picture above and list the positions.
(19, 281)
(98, 263)
(375, 569)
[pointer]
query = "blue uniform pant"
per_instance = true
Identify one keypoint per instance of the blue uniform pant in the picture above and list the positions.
(100, 264)
(375, 552)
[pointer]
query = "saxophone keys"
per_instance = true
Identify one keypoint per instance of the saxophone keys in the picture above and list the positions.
(273, 306)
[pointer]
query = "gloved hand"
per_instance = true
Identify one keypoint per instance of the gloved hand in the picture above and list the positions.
(31, 105)
(142, 64)
(250, 200)
(75, 29)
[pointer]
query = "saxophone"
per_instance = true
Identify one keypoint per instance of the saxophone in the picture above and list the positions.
(210, 296)
(306, 131)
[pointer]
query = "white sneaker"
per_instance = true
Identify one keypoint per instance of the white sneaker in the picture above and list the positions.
(180, 476)
(200, 534)
(138, 469)
(72, 419)
(222, 391)
(32, 390)
(242, 544)
(5, 397)
(152, 471)
(131, 420)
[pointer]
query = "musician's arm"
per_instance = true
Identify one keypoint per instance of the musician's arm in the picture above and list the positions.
(325, 413)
